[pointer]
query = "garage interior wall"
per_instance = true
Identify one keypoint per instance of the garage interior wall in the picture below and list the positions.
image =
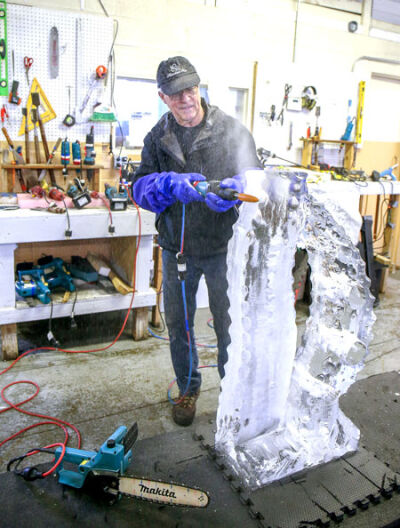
(261, 45)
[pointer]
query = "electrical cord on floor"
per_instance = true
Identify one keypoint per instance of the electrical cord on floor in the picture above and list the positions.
(32, 473)
(50, 420)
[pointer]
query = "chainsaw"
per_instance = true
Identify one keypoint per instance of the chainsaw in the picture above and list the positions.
(103, 470)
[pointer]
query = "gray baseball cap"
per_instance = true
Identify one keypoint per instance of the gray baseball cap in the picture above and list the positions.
(176, 74)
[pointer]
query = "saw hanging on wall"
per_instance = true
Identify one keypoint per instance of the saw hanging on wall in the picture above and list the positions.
(54, 53)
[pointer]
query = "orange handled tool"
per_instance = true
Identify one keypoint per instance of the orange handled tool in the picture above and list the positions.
(226, 193)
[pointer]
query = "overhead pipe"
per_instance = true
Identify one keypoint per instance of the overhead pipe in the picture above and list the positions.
(375, 59)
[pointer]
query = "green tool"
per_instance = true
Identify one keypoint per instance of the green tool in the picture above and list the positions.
(3, 49)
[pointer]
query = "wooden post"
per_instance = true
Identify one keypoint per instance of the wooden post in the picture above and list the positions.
(253, 96)
(140, 323)
(348, 156)
(306, 153)
(9, 341)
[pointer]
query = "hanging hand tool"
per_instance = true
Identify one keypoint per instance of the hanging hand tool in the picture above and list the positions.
(13, 97)
(101, 72)
(4, 114)
(203, 187)
(36, 136)
(3, 50)
(25, 114)
(28, 61)
(290, 144)
(18, 159)
(54, 53)
(317, 133)
(65, 157)
(105, 467)
(288, 89)
(36, 103)
(51, 156)
(350, 123)
(90, 154)
(69, 119)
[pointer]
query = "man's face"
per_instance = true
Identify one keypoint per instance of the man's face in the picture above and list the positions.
(185, 106)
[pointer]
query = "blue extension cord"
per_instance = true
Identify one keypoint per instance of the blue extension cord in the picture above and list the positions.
(186, 319)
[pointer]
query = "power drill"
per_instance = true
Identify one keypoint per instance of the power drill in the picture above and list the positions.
(56, 195)
(76, 153)
(204, 187)
(65, 156)
(118, 198)
(79, 194)
(90, 154)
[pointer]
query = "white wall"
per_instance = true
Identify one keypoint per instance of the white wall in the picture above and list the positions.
(225, 42)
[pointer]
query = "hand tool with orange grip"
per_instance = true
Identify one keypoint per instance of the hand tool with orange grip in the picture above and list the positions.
(18, 160)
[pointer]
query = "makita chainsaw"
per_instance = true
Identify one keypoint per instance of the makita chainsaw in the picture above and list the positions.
(104, 470)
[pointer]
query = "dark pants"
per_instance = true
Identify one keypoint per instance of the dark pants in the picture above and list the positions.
(214, 270)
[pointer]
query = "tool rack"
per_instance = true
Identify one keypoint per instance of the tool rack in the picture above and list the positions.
(310, 143)
(10, 168)
(25, 226)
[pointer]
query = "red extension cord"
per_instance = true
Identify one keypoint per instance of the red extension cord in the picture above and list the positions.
(51, 420)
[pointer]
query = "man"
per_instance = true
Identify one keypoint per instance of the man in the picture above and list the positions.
(193, 142)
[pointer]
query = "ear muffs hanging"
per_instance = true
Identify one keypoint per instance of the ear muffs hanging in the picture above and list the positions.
(309, 98)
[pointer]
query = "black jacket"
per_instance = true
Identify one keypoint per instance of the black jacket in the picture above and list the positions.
(222, 149)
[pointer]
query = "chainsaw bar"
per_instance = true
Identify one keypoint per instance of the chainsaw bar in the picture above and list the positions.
(130, 437)
(159, 492)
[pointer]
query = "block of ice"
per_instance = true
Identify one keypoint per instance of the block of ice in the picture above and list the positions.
(279, 409)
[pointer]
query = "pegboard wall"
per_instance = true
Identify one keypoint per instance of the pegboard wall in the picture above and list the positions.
(332, 96)
(84, 42)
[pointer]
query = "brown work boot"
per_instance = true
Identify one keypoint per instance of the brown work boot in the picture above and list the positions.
(183, 412)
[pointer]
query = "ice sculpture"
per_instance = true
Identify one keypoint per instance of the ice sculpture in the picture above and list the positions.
(279, 407)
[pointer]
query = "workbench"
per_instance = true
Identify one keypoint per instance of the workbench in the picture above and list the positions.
(353, 195)
(88, 225)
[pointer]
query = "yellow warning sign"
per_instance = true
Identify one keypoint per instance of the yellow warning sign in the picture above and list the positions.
(45, 109)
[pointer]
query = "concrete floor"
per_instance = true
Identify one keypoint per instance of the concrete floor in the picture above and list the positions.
(100, 391)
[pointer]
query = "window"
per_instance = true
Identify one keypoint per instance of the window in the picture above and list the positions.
(138, 109)
(350, 6)
(236, 105)
(386, 11)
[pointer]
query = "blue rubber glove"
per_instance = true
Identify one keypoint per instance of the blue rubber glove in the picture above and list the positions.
(159, 190)
(238, 183)
(218, 204)
(181, 187)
